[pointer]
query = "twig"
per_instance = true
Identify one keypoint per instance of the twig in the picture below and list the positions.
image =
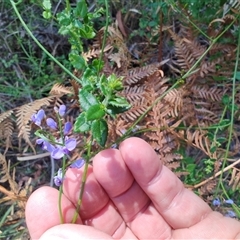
(217, 174)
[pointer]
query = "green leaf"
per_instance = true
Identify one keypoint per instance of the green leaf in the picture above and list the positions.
(225, 99)
(86, 99)
(102, 85)
(47, 4)
(77, 61)
(81, 124)
(119, 102)
(81, 9)
(87, 32)
(47, 14)
(97, 64)
(95, 112)
(112, 111)
(238, 75)
(100, 131)
(115, 83)
(64, 18)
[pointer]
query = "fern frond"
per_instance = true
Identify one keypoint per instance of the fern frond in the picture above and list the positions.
(135, 75)
(24, 114)
(6, 131)
(5, 115)
(208, 93)
(199, 140)
(59, 89)
(93, 53)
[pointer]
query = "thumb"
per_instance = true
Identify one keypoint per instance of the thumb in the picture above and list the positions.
(73, 231)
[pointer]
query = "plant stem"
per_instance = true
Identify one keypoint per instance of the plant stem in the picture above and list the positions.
(39, 44)
(232, 111)
(84, 177)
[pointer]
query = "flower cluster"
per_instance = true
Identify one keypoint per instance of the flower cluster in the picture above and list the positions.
(217, 203)
(58, 147)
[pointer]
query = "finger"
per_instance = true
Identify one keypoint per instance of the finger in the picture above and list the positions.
(97, 210)
(131, 201)
(165, 190)
(42, 211)
(214, 226)
(73, 231)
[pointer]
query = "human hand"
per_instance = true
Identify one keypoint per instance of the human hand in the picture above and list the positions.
(129, 194)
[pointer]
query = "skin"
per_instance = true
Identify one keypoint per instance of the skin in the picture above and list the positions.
(129, 194)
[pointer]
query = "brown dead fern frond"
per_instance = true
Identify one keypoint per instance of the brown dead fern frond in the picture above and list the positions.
(59, 89)
(24, 114)
(94, 53)
(6, 132)
(136, 75)
(5, 115)
(205, 92)
(199, 139)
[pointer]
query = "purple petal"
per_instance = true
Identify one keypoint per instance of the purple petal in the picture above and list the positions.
(58, 180)
(67, 128)
(38, 117)
(114, 146)
(229, 201)
(48, 146)
(230, 214)
(57, 153)
(216, 202)
(62, 110)
(45, 145)
(70, 144)
(78, 163)
(51, 123)
(39, 141)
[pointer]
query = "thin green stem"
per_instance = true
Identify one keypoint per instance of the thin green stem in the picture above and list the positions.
(84, 178)
(232, 111)
(105, 34)
(191, 70)
(39, 44)
(147, 110)
(68, 6)
(173, 4)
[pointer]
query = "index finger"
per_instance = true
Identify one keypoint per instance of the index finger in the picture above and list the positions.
(166, 191)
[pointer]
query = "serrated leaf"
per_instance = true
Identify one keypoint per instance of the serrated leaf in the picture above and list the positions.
(64, 18)
(86, 99)
(100, 131)
(119, 102)
(77, 61)
(81, 124)
(112, 110)
(102, 85)
(95, 112)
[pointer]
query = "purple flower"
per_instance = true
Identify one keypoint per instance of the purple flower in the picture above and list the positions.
(67, 128)
(62, 110)
(60, 151)
(58, 180)
(78, 163)
(229, 201)
(45, 145)
(216, 202)
(51, 123)
(230, 214)
(38, 117)
(115, 146)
